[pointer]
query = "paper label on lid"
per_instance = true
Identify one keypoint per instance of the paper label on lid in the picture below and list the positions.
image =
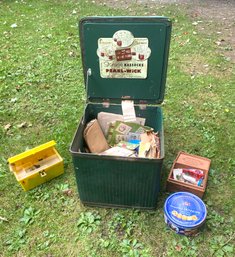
(123, 56)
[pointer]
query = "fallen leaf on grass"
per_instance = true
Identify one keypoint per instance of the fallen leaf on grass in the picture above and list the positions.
(184, 43)
(3, 219)
(219, 42)
(13, 25)
(178, 248)
(23, 125)
(13, 100)
(67, 192)
(72, 54)
(7, 127)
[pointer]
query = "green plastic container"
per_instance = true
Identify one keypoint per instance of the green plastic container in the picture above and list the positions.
(111, 76)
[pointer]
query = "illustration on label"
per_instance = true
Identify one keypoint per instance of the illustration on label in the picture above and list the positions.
(123, 128)
(123, 56)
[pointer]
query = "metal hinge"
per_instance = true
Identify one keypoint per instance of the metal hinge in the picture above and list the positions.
(126, 97)
(106, 103)
(143, 105)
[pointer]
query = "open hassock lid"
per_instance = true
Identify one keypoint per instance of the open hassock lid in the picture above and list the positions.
(125, 57)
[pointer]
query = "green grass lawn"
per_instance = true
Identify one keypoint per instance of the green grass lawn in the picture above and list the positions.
(42, 98)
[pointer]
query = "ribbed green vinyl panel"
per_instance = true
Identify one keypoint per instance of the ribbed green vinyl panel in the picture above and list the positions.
(117, 181)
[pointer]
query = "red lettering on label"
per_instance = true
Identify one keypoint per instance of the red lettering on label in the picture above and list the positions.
(123, 54)
(123, 71)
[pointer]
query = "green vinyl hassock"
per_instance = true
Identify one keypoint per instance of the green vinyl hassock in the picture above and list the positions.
(113, 181)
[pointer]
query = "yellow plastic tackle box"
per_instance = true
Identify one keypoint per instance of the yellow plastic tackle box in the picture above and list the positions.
(36, 166)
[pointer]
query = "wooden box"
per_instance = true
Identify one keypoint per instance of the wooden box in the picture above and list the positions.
(185, 160)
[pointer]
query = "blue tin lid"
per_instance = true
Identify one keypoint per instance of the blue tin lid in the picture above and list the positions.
(185, 210)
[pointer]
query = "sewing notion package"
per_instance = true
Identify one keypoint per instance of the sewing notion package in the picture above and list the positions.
(118, 147)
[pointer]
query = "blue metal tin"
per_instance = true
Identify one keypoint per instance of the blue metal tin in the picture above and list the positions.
(185, 213)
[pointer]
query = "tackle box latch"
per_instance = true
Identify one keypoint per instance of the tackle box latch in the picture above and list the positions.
(42, 173)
